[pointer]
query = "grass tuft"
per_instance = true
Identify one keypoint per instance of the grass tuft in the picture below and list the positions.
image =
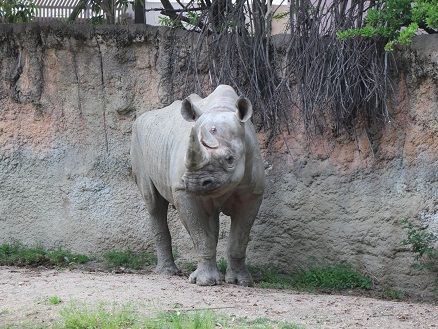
(129, 259)
(187, 267)
(337, 277)
(393, 294)
(54, 300)
(222, 265)
(19, 255)
(81, 317)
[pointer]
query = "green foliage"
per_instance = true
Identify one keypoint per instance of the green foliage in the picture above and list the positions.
(79, 316)
(54, 300)
(20, 255)
(180, 320)
(61, 257)
(16, 11)
(166, 21)
(338, 277)
(397, 21)
(264, 323)
(421, 244)
(270, 277)
(393, 294)
(187, 267)
(193, 18)
(222, 265)
(279, 16)
(129, 259)
(100, 8)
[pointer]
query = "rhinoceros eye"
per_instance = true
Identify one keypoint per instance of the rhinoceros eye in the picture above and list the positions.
(229, 159)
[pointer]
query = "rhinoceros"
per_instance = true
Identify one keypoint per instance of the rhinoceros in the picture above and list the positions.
(201, 155)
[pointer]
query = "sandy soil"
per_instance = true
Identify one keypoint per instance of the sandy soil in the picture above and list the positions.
(24, 292)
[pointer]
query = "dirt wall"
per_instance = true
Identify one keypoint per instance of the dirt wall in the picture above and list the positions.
(69, 94)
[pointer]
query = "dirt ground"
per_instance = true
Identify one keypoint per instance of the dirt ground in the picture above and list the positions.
(24, 293)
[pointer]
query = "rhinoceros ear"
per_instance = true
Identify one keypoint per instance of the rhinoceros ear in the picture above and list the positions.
(244, 109)
(188, 111)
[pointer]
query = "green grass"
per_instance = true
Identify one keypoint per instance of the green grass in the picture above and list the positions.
(129, 259)
(265, 323)
(222, 265)
(393, 294)
(127, 317)
(54, 300)
(334, 278)
(187, 267)
(19, 255)
(80, 316)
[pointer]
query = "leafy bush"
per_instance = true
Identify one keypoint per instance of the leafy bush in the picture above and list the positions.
(16, 11)
(397, 21)
(421, 243)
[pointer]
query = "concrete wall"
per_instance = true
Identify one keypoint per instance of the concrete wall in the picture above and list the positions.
(68, 96)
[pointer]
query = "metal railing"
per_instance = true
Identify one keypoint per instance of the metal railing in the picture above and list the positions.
(62, 9)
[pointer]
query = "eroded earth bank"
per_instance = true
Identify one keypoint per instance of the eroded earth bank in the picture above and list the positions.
(68, 97)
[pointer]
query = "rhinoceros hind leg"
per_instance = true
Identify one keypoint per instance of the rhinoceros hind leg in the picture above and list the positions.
(168, 269)
(157, 208)
(206, 275)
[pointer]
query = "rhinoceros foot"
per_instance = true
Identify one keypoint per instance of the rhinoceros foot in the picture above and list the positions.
(167, 269)
(241, 277)
(206, 276)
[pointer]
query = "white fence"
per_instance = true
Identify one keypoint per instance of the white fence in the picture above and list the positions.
(62, 9)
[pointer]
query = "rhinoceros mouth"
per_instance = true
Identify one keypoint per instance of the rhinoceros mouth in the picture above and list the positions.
(201, 184)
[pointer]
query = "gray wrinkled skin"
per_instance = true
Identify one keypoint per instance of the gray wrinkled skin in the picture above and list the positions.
(202, 156)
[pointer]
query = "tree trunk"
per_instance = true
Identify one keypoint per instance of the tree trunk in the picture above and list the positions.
(139, 15)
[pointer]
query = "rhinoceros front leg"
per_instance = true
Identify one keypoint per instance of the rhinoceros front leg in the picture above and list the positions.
(203, 228)
(243, 214)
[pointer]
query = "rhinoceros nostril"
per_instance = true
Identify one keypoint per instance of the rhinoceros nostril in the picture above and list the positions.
(207, 182)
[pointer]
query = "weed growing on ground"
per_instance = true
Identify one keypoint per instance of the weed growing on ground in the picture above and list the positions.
(80, 316)
(337, 277)
(393, 294)
(265, 323)
(129, 259)
(222, 265)
(19, 255)
(54, 300)
(187, 267)
(422, 244)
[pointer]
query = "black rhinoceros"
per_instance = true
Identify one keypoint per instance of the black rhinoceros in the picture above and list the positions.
(202, 156)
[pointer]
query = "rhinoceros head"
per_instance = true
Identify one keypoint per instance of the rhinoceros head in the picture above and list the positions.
(215, 158)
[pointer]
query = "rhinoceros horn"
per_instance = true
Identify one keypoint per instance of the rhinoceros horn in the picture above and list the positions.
(196, 157)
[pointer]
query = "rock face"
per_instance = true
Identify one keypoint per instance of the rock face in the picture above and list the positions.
(69, 95)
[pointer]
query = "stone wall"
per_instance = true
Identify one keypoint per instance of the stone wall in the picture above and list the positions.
(69, 94)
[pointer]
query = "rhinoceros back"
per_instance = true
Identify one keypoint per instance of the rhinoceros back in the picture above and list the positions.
(159, 141)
